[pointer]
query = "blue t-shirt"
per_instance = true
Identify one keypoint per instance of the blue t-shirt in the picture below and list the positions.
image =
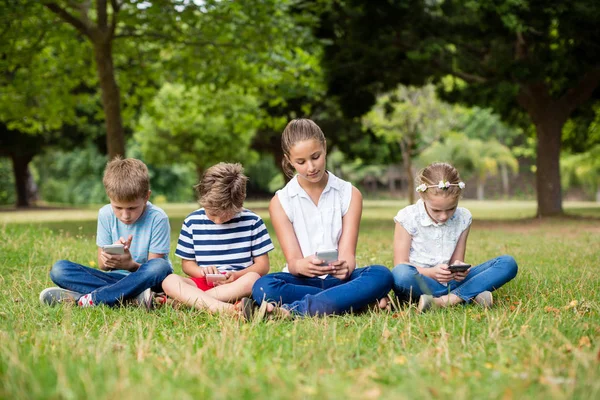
(151, 232)
(231, 246)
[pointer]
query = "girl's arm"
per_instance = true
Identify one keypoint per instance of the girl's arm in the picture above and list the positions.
(297, 264)
(461, 247)
(349, 238)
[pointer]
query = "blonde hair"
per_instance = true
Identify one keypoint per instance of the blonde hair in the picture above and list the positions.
(298, 130)
(223, 188)
(436, 172)
(126, 179)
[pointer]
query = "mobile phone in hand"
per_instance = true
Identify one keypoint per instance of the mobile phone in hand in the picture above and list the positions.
(115, 249)
(458, 267)
(327, 256)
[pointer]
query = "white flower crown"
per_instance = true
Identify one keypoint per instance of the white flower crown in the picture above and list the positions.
(442, 185)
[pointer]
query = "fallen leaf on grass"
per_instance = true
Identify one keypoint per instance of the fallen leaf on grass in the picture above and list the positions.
(554, 310)
(572, 304)
(373, 393)
(585, 342)
(401, 360)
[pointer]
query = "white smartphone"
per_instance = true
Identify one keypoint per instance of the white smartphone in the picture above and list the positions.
(327, 256)
(116, 249)
(212, 278)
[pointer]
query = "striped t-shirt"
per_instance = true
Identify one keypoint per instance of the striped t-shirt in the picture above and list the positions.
(231, 246)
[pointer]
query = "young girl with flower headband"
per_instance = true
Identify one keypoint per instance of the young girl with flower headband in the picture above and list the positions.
(430, 236)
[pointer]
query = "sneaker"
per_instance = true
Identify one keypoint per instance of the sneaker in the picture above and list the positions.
(425, 303)
(144, 299)
(484, 299)
(247, 306)
(55, 295)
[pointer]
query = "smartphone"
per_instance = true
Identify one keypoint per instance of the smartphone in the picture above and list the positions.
(116, 249)
(459, 267)
(212, 278)
(327, 256)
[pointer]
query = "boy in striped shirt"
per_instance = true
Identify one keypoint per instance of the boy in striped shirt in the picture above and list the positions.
(223, 246)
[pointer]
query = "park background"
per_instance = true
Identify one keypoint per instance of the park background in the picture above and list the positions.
(506, 90)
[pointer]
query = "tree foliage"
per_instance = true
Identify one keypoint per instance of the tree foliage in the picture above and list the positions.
(519, 57)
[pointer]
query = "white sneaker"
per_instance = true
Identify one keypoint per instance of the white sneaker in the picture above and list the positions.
(425, 303)
(144, 299)
(55, 295)
(484, 299)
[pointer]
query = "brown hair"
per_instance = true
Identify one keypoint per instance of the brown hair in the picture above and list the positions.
(298, 130)
(436, 172)
(223, 188)
(126, 179)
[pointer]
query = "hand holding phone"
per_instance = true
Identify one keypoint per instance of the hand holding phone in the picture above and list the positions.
(458, 267)
(114, 249)
(327, 256)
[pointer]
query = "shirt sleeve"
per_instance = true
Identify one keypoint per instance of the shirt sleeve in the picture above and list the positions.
(103, 231)
(185, 243)
(284, 200)
(346, 194)
(466, 219)
(160, 242)
(261, 241)
(406, 218)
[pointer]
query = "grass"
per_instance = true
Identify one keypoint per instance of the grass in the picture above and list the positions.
(541, 340)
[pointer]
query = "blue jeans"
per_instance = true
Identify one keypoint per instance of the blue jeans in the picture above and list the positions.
(491, 275)
(316, 296)
(111, 287)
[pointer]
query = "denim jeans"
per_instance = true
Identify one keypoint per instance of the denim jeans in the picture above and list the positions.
(491, 275)
(316, 296)
(111, 287)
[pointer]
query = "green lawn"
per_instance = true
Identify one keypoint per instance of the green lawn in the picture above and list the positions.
(541, 340)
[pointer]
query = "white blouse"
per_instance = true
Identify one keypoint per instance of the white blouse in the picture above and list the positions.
(317, 226)
(432, 243)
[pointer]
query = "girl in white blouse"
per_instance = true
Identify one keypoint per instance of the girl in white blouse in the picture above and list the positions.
(317, 211)
(430, 242)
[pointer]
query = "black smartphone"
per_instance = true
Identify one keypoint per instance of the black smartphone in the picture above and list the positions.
(459, 267)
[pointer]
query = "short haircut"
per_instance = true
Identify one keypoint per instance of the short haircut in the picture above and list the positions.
(223, 188)
(126, 179)
(436, 172)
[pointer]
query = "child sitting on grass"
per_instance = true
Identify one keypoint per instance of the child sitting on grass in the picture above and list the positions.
(220, 238)
(144, 263)
(430, 237)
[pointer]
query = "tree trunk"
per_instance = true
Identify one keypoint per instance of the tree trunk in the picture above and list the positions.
(505, 181)
(549, 191)
(111, 100)
(480, 191)
(598, 195)
(21, 172)
(407, 163)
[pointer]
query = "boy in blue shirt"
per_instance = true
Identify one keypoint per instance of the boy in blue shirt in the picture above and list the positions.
(129, 220)
(221, 241)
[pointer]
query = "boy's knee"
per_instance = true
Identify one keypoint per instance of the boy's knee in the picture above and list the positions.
(170, 284)
(158, 267)
(59, 270)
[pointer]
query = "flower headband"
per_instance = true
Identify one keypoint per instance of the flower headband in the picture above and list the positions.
(444, 185)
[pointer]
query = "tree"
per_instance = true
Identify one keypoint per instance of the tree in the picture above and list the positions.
(198, 125)
(540, 58)
(413, 118)
(472, 157)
